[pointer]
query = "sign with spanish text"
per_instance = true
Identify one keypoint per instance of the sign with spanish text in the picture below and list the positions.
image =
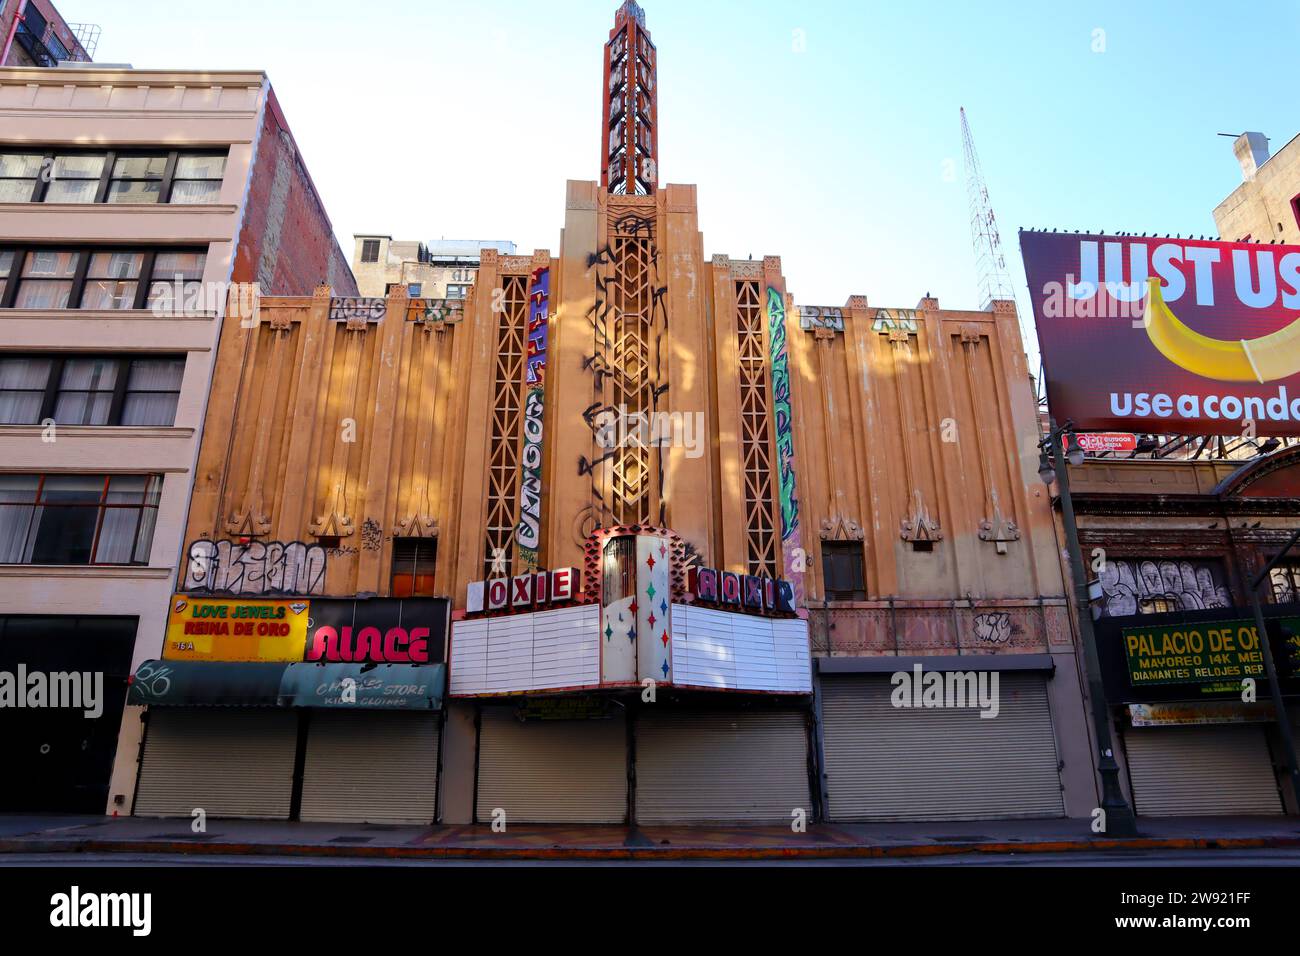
(227, 629)
(1220, 652)
(1171, 336)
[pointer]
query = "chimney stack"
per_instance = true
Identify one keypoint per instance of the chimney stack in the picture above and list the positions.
(1251, 150)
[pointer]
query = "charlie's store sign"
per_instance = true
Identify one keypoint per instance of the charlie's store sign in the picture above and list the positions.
(1207, 653)
(219, 629)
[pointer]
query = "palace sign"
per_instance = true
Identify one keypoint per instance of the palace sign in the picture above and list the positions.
(1174, 336)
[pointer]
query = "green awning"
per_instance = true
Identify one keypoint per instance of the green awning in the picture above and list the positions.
(325, 686)
(364, 687)
(206, 684)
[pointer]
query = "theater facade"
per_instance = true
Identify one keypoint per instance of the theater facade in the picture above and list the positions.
(665, 533)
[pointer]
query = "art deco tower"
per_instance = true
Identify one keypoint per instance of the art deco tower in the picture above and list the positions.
(630, 134)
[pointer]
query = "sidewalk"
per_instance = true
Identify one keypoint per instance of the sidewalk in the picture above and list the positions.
(45, 834)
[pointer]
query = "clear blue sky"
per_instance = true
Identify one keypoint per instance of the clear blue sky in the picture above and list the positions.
(428, 119)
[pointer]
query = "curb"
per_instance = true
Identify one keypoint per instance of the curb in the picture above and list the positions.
(774, 853)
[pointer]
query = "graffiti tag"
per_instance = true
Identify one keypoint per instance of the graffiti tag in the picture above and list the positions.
(270, 567)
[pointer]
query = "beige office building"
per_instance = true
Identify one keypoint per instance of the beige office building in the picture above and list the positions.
(130, 201)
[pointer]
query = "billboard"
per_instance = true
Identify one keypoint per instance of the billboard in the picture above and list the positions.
(1173, 336)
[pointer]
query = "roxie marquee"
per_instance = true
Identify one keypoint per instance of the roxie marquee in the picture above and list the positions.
(745, 592)
(525, 592)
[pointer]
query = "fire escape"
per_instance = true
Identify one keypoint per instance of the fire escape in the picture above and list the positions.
(38, 38)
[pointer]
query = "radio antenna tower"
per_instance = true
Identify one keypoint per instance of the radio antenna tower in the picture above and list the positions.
(990, 262)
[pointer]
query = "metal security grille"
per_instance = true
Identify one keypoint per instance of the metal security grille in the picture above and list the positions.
(371, 767)
(551, 771)
(1201, 771)
(507, 424)
(634, 364)
(887, 763)
(755, 431)
(229, 763)
(721, 767)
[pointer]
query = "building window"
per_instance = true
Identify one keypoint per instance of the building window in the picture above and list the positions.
(74, 178)
(618, 571)
(112, 280)
(19, 175)
(457, 291)
(844, 571)
(413, 562)
(137, 180)
(175, 278)
(370, 250)
(46, 279)
(1286, 583)
(77, 519)
(1157, 605)
(90, 390)
(415, 290)
(197, 180)
(111, 176)
(104, 279)
(1295, 209)
(7, 257)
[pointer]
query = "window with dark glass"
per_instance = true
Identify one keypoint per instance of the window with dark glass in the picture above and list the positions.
(844, 571)
(100, 279)
(77, 519)
(369, 250)
(90, 390)
(413, 562)
(111, 176)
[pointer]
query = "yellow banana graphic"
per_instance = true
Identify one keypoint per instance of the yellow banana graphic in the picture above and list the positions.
(1265, 359)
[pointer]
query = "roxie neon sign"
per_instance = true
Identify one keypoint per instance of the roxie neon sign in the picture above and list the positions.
(524, 592)
(741, 592)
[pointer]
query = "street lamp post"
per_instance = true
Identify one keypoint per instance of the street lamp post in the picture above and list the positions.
(1119, 819)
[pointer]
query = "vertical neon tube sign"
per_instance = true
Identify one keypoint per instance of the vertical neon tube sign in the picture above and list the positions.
(528, 534)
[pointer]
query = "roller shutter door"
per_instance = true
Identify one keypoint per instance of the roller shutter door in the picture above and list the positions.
(887, 763)
(371, 767)
(229, 763)
(721, 767)
(1201, 771)
(552, 771)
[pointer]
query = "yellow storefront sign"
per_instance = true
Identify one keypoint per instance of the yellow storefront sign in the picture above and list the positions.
(221, 629)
